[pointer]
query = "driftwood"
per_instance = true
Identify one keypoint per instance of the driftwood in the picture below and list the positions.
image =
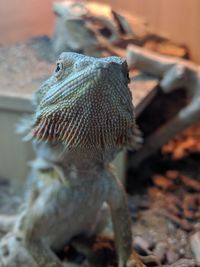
(72, 33)
(173, 73)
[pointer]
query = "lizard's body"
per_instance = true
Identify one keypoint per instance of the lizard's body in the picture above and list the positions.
(60, 187)
(84, 117)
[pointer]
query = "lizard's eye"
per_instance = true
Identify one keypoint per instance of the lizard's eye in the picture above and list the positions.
(59, 70)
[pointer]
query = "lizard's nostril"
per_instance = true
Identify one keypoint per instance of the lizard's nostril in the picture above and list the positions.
(128, 77)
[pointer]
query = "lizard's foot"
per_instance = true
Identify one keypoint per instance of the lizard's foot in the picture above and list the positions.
(13, 253)
(136, 260)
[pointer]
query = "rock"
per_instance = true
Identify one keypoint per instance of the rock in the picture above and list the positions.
(171, 256)
(163, 182)
(172, 174)
(160, 251)
(190, 183)
(182, 223)
(141, 245)
(184, 263)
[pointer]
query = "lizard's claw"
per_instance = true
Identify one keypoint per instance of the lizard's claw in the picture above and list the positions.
(136, 260)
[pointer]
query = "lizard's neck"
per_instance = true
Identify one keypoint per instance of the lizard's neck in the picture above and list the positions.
(83, 160)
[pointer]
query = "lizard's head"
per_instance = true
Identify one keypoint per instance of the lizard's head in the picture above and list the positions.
(86, 103)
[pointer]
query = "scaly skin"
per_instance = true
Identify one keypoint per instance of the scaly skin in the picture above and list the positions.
(84, 117)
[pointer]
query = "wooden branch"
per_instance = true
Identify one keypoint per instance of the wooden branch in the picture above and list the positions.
(174, 73)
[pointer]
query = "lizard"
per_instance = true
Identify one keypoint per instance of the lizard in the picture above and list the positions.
(83, 117)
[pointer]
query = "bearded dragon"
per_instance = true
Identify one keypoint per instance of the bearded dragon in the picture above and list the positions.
(83, 117)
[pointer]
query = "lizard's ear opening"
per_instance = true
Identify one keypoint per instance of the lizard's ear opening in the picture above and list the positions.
(128, 77)
(125, 71)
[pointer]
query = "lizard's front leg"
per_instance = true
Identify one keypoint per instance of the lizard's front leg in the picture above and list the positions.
(38, 249)
(42, 254)
(122, 227)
